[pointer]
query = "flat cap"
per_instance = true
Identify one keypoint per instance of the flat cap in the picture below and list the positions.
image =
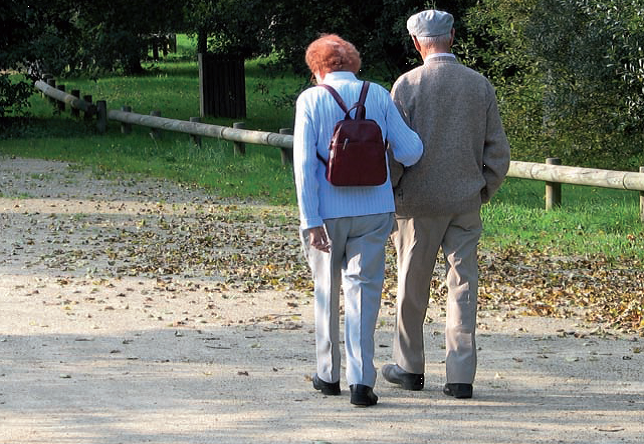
(430, 23)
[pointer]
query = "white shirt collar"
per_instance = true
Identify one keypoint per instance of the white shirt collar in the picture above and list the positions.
(337, 76)
(439, 54)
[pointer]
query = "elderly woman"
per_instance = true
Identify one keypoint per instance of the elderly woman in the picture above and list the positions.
(344, 229)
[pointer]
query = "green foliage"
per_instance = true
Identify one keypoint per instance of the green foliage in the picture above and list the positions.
(495, 45)
(34, 38)
(13, 96)
(61, 37)
(569, 76)
(592, 64)
(230, 27)
(376, 28)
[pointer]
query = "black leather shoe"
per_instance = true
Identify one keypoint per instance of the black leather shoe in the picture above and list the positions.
(363, 395)
(327, 388)
(460, 391)
(409, 381)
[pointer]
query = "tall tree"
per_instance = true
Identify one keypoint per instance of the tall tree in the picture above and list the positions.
(377, 28)
(63, 36)
(116, 34)
(230, 27)
(494, 42)
(592, 57)
(35, 39)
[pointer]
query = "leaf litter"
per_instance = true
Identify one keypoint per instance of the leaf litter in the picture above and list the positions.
(250, 251)
(246, 248)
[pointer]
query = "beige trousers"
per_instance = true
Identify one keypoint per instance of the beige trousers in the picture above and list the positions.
(417, 242)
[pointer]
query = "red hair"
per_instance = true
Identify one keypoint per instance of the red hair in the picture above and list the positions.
(331, 53)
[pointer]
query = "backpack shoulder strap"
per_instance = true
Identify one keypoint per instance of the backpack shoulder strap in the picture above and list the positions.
(361, 110)
(336, 96)
(359, 105)
(363, 93)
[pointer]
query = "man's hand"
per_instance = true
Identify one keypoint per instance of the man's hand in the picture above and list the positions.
(318, 239)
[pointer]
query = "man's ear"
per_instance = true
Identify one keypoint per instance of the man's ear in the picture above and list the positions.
(416, 44)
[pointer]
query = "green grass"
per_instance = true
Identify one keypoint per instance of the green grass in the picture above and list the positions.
(591, 222)
(171, 86)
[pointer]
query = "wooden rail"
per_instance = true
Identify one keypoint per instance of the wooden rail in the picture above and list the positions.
(62, 96)
(551, 173)
(203, 129)
(577, 176)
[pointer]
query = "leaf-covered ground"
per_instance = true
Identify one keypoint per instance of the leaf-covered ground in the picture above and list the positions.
(114, 227)
(250, 249)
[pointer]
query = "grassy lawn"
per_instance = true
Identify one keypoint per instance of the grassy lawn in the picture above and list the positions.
(592, 221)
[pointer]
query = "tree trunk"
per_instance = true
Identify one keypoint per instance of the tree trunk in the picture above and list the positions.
(202, 41)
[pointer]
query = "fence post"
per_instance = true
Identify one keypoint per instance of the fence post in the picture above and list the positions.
(75, 111)
(126, 128)
(553, 189)
(239, 147)
(642, 199)
(194, 138)
(51, 82)
(287, 154)
(61, 104)
(101, 116)
(88, 98)
(155, 133)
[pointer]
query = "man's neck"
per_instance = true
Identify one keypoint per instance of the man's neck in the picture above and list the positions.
(425, 52)
(439, 50)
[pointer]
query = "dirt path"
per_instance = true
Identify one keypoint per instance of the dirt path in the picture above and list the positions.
(130, 312)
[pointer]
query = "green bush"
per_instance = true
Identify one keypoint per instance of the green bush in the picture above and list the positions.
(14, 96)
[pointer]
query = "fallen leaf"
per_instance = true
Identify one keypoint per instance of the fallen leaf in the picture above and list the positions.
(610, 428)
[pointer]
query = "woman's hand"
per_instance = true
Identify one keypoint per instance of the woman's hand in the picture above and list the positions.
(318, 239)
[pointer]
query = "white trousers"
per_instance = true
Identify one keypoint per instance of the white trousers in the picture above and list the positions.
(356, 263)
(418, 241)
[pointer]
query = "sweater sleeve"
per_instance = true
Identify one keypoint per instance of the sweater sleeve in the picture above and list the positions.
(305, 164)
(399, 114)
(404, 142)
(496, 152)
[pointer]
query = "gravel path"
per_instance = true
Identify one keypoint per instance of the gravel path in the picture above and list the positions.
(102, 341)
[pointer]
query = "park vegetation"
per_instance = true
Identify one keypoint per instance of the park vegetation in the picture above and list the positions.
(569, 73)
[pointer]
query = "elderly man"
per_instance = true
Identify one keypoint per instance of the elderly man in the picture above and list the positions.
(438, 200)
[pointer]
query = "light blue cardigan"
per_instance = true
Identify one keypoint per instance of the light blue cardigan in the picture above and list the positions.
(316, 115)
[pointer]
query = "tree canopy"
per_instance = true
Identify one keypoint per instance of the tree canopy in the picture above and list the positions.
(568, 73)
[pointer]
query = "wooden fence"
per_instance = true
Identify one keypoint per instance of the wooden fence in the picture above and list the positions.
(551, 172)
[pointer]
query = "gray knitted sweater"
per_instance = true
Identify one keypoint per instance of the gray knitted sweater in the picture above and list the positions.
(466, 156)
